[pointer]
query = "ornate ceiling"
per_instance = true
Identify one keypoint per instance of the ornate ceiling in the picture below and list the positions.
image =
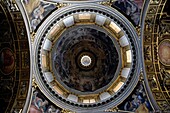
(71, 56)
(14, 60)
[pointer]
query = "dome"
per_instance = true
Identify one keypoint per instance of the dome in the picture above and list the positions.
(79, 58)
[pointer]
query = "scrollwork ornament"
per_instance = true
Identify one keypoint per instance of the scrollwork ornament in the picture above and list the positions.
(33, 36)
(138, 29)
(60, 5)
(34, 84)
(114, 109)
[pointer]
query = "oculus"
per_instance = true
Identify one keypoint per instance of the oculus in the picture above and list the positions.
(85, 60)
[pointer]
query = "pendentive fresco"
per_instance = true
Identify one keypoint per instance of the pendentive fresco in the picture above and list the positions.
(37, 10)
(40, 104)
(137, 101)
(130, 8)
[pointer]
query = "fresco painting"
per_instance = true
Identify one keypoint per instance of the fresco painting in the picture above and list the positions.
(40, 104)
(130, 8)
(137, 101)
(37, 10)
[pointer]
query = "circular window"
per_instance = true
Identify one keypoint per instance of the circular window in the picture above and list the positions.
(86, 57)
(85, 60)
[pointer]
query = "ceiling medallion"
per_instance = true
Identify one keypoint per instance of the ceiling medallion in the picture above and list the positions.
(163, 52)
(86, 57)
(7, 61)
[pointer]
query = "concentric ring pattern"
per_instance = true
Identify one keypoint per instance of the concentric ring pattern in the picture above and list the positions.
(86, 57)
(76, 44)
